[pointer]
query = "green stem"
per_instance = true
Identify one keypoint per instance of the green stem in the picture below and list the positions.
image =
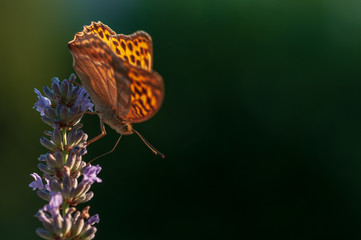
(65, 157)
(65, 208)
(65, 143)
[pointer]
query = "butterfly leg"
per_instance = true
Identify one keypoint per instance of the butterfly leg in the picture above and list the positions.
(107, 152)
(102, 134)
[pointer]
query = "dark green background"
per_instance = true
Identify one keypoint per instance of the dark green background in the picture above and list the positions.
(261, 122)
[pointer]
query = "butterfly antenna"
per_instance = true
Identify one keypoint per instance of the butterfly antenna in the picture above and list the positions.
(153, 149)
(107, 152)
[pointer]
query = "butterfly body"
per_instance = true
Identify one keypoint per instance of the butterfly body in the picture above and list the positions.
(116, 70)
(121, 126)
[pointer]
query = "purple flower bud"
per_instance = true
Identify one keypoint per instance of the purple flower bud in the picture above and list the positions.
(43, 194)
(42, 104)
(72, 77)
(88, 234)
(59, 159)
(77, 226)
(70, 161)
(90, 174)
(48, 133)
(50, 113)
(47, 222)
(64, 89)
(42, 158)
(67, 185)
(44, 234)
(57, 138)
(47, 143)
(76, 176)
(57, 223)
(88, 196)
(74, 93)
(63, 113)
(50, 160)
(55, 185)
(75, 138)
(56, 86)
(83, 101)
(47, 186)
(67, 223)
(49, 93)
(47, 121)
(82, 188)
(45, 168)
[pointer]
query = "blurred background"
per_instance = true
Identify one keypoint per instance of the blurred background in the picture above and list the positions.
(261, 123)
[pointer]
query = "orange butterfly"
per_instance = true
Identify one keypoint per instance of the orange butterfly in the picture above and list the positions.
(116, 70)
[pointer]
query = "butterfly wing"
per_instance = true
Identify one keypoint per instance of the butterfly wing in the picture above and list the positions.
(135, 49)
(102, 74)
(123, 66)
(147, 92)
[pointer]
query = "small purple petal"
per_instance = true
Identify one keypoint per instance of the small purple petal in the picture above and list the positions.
(42, 104)
(90, 174)
(93, 219)
(55, 201)
(37, 183)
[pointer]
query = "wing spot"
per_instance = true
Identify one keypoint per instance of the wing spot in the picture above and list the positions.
(101, 33)
(126, 59)
(137, 53)
(94, 55)
(130, 46)
(138, 63)
(139, 110)
(149, 103)
(117, 51)
(122, 44)
(146, 61)
(115, 43)
(137, 92)
(141, 50)
(143, 104)
(136, 43)
(132, 58)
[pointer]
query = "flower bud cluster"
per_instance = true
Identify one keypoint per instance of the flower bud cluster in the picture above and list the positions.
(71, 226)
(67, 177)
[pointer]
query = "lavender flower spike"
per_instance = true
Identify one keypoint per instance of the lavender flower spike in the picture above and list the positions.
(62, 166)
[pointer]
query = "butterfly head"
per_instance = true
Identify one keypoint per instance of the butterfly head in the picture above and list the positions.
(126, 128)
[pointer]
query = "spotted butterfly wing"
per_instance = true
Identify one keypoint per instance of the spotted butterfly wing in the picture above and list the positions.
(117, 72)
(135, 49)
(108, 89)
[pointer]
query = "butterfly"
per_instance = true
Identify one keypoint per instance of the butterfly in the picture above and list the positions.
(116, 70)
